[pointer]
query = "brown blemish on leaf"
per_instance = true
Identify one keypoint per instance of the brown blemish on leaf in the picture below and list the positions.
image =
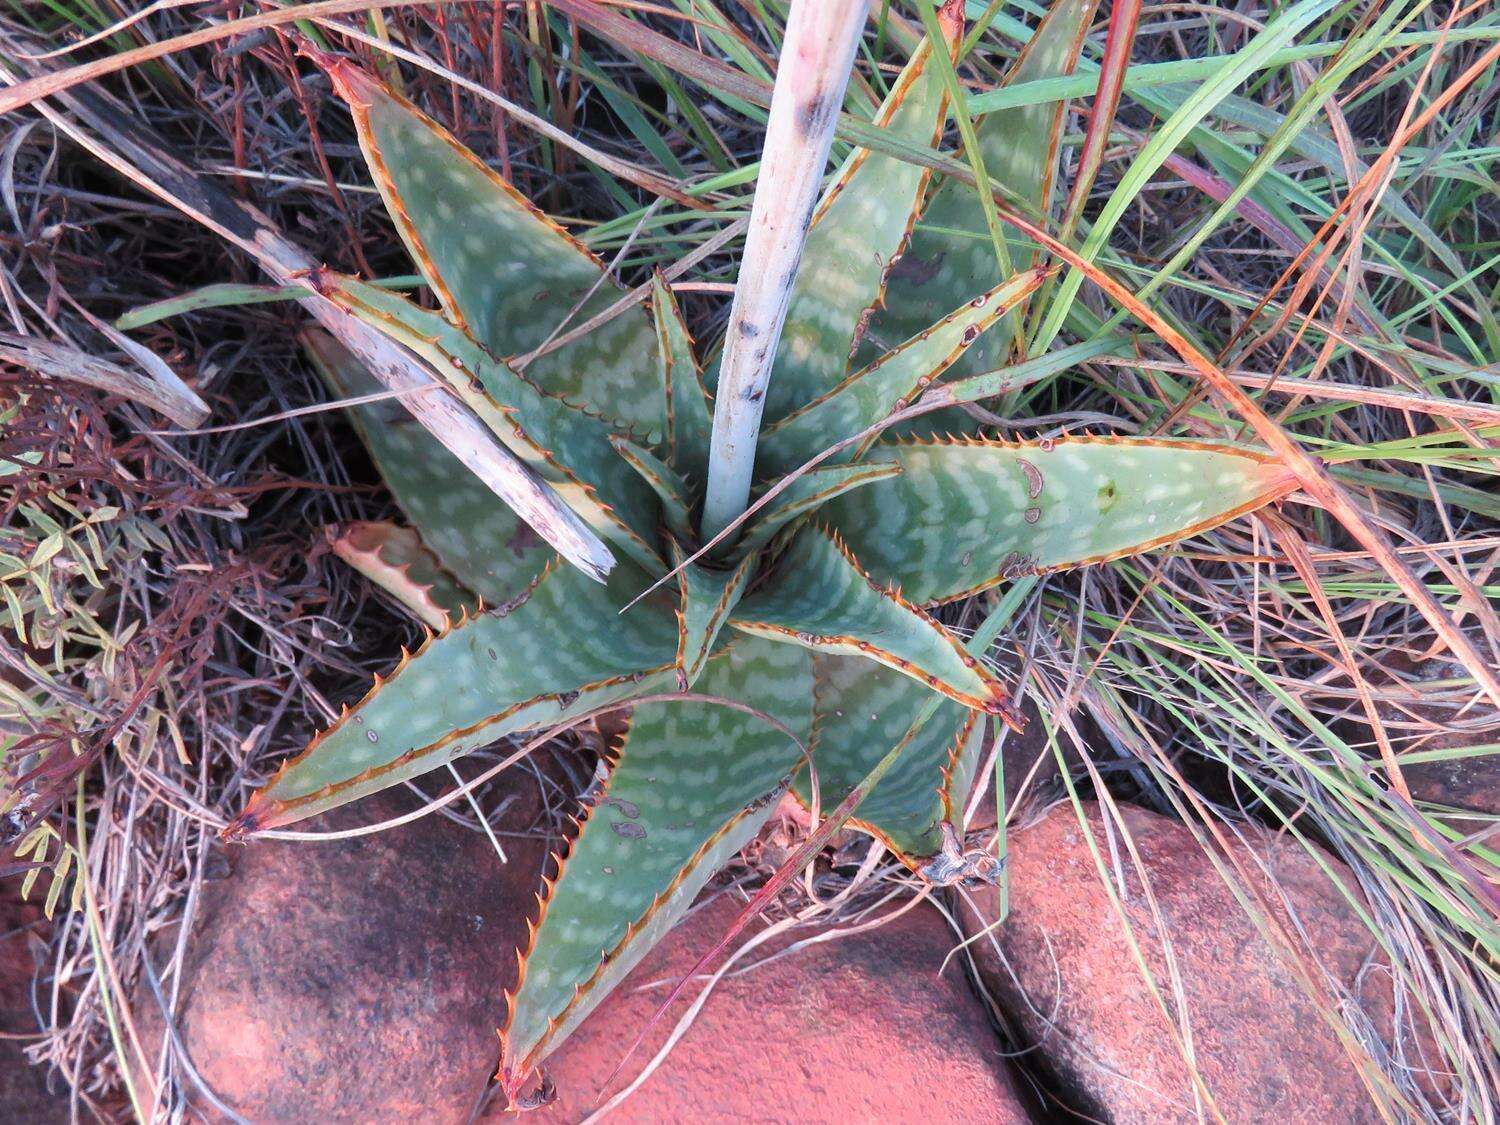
(1034, 479)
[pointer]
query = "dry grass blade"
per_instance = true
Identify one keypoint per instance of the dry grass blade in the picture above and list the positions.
(58, 361)
(23, 92)
(1308, 266)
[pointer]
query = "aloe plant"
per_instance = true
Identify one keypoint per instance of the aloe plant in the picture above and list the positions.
(804, 642)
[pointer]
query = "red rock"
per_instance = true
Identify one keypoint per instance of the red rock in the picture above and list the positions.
(1430, 706)
(1032, 776)
(858, 1029)
(356, 981)
(1263, 1050)
(25, 1093)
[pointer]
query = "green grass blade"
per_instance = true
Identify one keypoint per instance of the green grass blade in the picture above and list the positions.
(952, 254)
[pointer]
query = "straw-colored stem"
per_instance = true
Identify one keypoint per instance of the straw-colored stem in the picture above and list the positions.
(816, 56)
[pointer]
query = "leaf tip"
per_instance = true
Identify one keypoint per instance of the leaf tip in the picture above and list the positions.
(350, 81)
(241, 828)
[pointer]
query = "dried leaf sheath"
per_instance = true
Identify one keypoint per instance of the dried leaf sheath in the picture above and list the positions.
(395, 559)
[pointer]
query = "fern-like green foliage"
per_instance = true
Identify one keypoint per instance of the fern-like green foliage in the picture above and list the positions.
(812, 624)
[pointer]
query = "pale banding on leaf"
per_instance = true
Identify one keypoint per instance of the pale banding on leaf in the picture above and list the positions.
(485, 677)
(503, 270)
(473, 533)
(965, 515)
(819, 598)
(566, 445)
(859, 227)
(888, 383)
(860, 712)
(668, 817)
(707, 598)
(689, 408)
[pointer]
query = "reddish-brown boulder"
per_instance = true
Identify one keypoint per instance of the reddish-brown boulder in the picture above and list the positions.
(359, 980)
(1032, 775)
(858, 1028)
(1070, 985)
(25, 1094)
(1429, 707)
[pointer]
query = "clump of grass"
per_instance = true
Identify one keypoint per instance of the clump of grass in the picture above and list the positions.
(1306, 195)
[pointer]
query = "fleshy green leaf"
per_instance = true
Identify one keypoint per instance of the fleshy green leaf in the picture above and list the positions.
(504, 272)
(394, 558)
(818, 597)
(888, 383)
(806, 494)
(567, 447)
(708, 597)
(689, 413)
(861, 712)
(662, 479)
(859, 227)
(965, 515)
(475, 536)
(951, 257)
(564, 650)
(669, 816)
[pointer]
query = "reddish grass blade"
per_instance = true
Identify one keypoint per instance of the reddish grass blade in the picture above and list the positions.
(1123, 18)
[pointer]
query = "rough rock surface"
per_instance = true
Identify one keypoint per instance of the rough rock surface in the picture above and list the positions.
(1031, 770)
(1262, 1048)
(1423, 712)
(24, 1092)
(861, 1028)
(360, 980)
